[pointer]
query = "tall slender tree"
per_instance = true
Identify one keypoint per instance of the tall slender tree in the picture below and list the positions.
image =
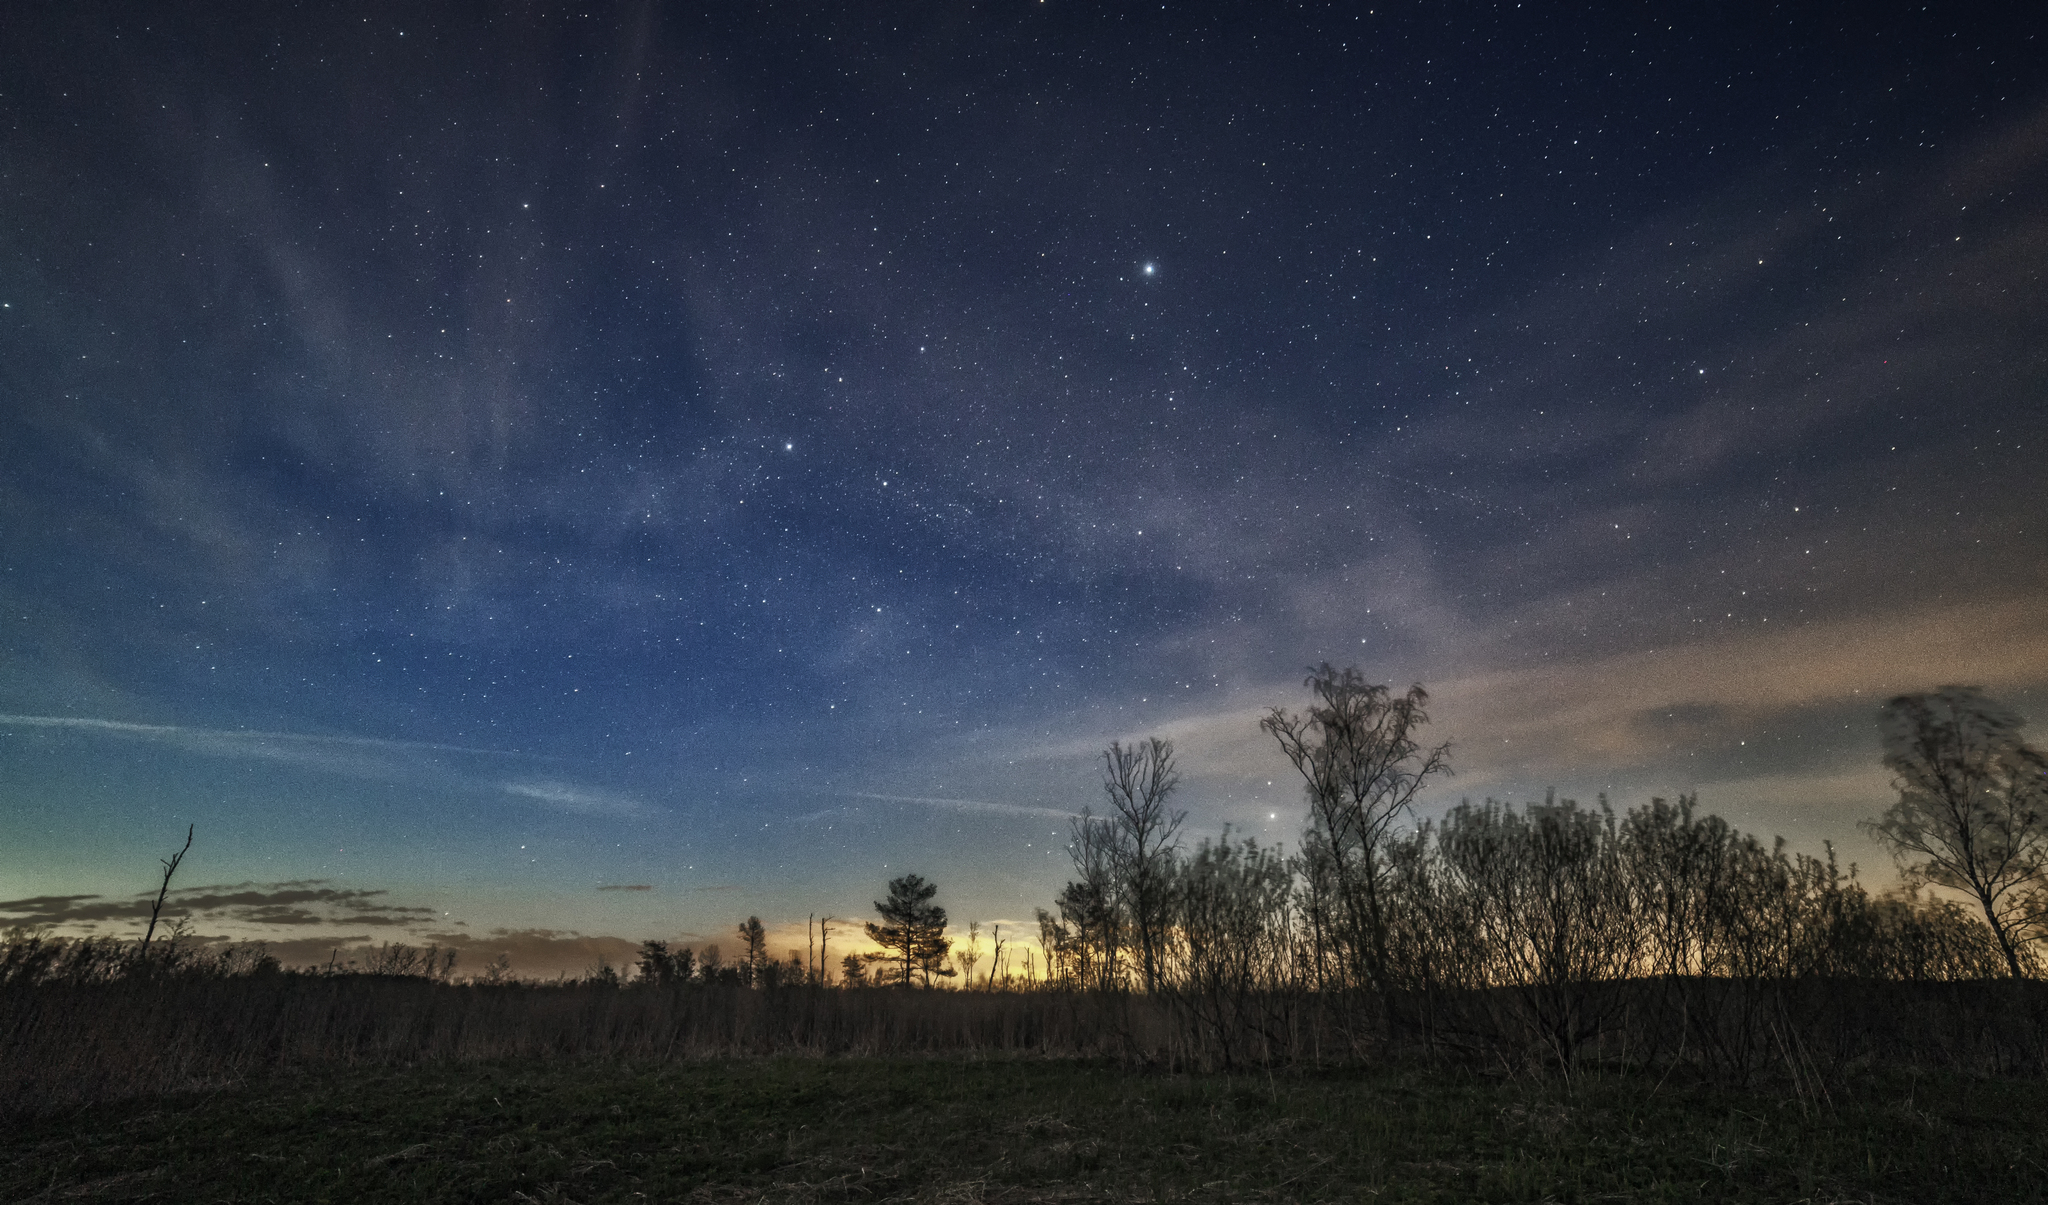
(1088, 937)
(1362, 766)
(1139, 780)
(755, 938)
(1972, 811)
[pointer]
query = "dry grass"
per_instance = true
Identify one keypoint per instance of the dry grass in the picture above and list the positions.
(1017, 1130)
(63, 1045)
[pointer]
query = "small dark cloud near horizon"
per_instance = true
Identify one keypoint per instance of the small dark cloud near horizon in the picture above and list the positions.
(42, 910)
(626, 887)
(262, 905)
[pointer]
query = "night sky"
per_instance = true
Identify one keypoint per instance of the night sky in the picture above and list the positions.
(524, 478)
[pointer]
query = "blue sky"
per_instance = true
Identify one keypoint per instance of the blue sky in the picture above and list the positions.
(558, 477)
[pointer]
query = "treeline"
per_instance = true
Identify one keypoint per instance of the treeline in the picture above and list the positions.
(1537, 935)
(1546, 933)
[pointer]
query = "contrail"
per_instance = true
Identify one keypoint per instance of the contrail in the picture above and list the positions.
(173, 731)
(966, 805)
(366, 757)
(573, 798)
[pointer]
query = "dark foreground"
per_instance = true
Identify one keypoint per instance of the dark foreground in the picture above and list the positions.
(1023, 1131)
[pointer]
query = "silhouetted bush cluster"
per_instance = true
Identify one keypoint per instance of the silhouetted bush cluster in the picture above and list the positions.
(29, 959)
(1553, 933)
(1539, 936)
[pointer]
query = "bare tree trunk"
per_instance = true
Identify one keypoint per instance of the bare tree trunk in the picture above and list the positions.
(170, 868)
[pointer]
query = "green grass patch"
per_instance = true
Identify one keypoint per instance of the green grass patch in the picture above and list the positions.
(1027, 1130)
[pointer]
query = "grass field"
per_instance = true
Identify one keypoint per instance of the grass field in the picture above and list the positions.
(1019, 1130)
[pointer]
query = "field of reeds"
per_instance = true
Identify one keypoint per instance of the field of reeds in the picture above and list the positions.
(87, 1022)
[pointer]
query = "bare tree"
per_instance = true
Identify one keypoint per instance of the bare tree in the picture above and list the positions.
(1972, 812)
(170, 868)
(1555, 912)
(1362, 767)
(972, 954)
(1232, 939)
(1139, 780)
(1087, 938)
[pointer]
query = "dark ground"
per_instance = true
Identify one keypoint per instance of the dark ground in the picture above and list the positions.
(1030, 1130)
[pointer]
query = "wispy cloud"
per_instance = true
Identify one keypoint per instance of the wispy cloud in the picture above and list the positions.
(292, 904)
(373, 758)
(243, 741)
(587, 801)
(625, 887)
(982, 806)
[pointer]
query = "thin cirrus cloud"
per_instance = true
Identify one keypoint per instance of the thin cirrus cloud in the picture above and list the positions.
(584, 801)
(232, 741)
(350, 756)
(980, 806)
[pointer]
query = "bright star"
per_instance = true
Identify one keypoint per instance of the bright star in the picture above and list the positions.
(1148, 269)
(789, 447)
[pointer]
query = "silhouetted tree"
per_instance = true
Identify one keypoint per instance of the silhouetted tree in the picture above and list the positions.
(972, 954)
(1972, 812)
(932, 958)
(913, 928)
(1086, 947)
(755, 938)
(1229, 957)
(853, 971)
(1143, 831)
(1362, 768)
(714, 970)
(662, 967)
(170, 868)
(1553, 908)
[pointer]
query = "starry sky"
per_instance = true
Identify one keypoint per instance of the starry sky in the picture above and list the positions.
(545, 478)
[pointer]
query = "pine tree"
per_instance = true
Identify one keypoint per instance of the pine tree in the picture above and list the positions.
(913, 929)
